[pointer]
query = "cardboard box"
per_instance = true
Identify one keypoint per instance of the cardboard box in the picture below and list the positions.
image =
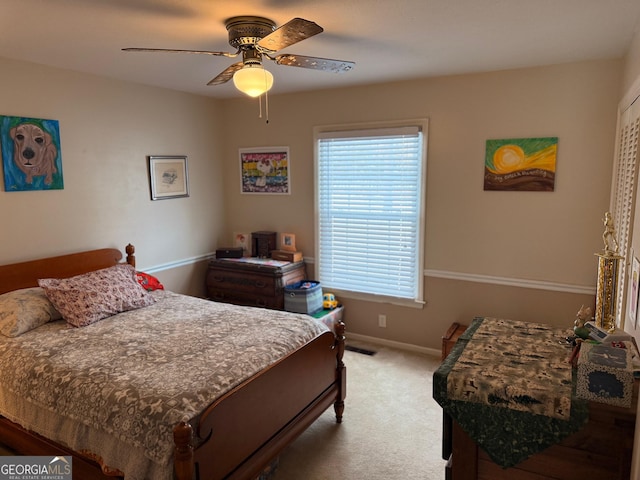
(605, 374)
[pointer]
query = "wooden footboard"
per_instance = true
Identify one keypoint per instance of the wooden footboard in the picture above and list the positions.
(25, 442)
(238, 435)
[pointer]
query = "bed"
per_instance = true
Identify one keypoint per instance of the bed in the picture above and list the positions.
(231, 429)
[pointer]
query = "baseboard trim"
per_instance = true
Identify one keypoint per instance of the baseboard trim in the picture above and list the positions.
(393, 344)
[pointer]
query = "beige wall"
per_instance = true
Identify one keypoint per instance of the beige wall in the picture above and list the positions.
(512, 237)
(631, 71)
(520, 254)
(107, 129)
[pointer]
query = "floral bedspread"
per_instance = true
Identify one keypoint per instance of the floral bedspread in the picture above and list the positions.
(132, 377)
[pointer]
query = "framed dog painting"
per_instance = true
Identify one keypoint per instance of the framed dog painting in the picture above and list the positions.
(31, 158)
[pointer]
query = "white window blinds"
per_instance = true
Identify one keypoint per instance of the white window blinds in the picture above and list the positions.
(370, 211)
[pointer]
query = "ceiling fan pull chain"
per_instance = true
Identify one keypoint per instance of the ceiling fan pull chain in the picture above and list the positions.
(266, 101)
(266, 104)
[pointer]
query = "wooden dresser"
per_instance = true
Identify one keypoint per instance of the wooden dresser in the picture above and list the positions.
(253, 282)
(602, 449)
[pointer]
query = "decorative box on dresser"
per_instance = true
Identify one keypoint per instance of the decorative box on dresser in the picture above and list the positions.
(254, 282)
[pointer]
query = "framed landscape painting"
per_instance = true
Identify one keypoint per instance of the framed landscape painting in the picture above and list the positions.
(521, 164)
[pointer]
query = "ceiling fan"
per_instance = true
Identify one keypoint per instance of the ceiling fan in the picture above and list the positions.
(255, 38)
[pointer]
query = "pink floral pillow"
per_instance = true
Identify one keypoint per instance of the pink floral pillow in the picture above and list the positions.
(88, 298)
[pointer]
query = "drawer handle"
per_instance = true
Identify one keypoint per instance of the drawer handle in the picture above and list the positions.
(260, 302)
(260, 284)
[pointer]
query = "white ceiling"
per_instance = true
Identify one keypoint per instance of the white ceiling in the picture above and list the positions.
(388, 40)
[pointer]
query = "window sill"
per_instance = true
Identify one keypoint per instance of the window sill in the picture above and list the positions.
(369, 297)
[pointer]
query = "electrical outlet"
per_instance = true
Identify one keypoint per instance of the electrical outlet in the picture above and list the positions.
(382, 321)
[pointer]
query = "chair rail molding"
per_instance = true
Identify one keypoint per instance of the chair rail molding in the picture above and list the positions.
(512, 282)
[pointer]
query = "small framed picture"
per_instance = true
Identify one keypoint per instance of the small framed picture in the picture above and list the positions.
(242, 240)
(288, 242)
(168, 176)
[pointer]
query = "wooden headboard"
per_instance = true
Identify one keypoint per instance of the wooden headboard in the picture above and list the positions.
(26, 274)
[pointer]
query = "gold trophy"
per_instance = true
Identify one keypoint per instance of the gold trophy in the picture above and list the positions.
(608, 268)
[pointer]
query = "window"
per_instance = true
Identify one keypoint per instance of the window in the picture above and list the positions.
(370, 210)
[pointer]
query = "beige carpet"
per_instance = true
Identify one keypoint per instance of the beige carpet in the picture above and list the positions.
(392, 427)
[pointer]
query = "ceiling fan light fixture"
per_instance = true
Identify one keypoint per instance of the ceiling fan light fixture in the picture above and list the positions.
(253, 80)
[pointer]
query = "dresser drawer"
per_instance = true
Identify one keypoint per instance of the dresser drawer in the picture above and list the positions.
(242, 282)
(248, 299)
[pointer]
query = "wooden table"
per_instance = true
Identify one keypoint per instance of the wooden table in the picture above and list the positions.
(450, 338)
(601, 450)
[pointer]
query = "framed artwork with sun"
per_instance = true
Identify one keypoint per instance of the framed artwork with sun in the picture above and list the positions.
(521, 164)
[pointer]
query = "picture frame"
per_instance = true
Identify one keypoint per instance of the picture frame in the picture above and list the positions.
(521, 164)
(168, 176)
(288, 242)
(243, 240)
(31, 154)
(265, 170)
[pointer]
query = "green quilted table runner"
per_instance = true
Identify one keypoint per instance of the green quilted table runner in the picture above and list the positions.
(511, 387)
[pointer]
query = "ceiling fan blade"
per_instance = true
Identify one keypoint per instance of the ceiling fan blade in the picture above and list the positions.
(326, 64)
(171, 50)
(291, 32)
(227, 74)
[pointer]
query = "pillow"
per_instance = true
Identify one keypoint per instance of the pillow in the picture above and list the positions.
(25, 309)
(90, 297)
(149, 282)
